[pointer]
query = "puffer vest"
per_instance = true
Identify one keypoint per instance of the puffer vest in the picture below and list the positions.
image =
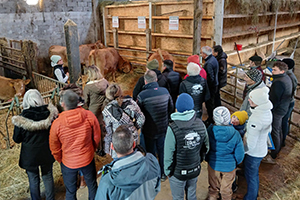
(61, 69)
(189, 140)
(196, 90)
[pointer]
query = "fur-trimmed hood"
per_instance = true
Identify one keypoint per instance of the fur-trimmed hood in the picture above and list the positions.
(32, 125)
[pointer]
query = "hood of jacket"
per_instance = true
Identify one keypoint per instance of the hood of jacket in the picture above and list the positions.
(262, 108)
(129, 172)
(194, 79)
(223, 133)
(184, 117)
(36, 118)
(98, 86)
(223, 55)
(73, 118)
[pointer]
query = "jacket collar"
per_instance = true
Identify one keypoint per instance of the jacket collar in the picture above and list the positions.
(151, 85)
(208, 57)
(278, 75)
(31, 125)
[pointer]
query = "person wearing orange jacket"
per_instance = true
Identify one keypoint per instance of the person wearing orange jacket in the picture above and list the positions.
(74, 137)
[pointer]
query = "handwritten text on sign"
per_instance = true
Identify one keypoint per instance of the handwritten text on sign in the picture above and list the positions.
(173, 23)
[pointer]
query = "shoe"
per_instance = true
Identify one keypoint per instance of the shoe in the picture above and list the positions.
(163, 178)
(269, 160)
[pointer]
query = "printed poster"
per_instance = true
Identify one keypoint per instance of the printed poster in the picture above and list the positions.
(115, 22)
(142, 22)
(173, 23)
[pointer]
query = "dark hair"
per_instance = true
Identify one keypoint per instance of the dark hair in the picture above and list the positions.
(281, 66)
(218, 49)
(168, 64)
(122, 139)
(70, 99)
(150, 76)
(257, 63)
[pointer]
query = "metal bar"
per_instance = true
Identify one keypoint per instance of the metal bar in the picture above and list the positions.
(150, 15)
(12, 49)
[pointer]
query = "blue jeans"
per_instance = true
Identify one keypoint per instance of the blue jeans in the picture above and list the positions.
(156, 145)
(178, 187)
(34, 182)
(70, 180)
(251, 174)
(285, 122)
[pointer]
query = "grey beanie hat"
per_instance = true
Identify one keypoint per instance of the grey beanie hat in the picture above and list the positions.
(221, 116)
(254, 74)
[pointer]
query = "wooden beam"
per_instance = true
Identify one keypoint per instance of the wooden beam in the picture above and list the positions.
(116, 40)
(198, 7)
(207, 17)
(219, 13)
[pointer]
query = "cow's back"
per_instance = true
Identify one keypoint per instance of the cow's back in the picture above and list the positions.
(164, 54)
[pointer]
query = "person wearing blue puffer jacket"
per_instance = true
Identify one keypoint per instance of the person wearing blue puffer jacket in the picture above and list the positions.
(226, 152)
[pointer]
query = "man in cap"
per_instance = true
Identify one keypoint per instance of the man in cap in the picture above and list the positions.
(281, 93)
(174, 79)
(253, 81)
(285, 121)
(255, 63)
(57, 64)
(161, 79)
(185, 147)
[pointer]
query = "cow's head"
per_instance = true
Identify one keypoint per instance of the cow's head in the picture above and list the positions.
(19, 86)
(99, 45)
(126, 67)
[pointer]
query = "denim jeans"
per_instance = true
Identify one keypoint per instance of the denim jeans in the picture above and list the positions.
(156, 145)
(178, 187)
(70, 180)
(251, 174)
(285, 122)
(34, 182)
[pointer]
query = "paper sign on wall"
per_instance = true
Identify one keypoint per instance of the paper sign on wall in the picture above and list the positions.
(173, 23)
(115, 22)
(142, 22)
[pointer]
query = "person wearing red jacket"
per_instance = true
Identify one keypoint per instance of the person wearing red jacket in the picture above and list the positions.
(195, 59)
(74, 137)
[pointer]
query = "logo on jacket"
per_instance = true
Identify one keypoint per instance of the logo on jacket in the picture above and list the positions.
(192, 140)
(197, 89)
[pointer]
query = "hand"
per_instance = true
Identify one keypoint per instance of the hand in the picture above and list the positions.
(67, 74)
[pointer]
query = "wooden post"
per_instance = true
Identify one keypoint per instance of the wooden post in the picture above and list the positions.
(96, 19)
(148, 42)
(116, 39)
(218, 21)
(104, 24)
(71, 36)
(198, 6)
(274, 35)
(29, 51)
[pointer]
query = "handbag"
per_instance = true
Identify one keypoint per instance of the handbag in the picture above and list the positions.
(270, 142)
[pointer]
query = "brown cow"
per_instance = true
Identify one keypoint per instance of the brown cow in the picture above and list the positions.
(12, 87)
(84, 51)
(160, 56)
(109, 60)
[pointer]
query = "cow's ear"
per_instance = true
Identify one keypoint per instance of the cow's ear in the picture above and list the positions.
(27, 81)
(12, 83)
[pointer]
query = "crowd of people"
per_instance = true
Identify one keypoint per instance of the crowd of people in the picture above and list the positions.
(158, 133)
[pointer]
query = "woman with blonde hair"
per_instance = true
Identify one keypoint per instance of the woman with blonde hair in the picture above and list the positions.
(32, 130)
(94, 94)
(119, 110)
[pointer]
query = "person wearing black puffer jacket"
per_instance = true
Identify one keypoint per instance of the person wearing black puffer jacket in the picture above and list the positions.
(173, 78)
(221, 56)
(32, 130)
(161, 79)
(157, 105)
(196, 86)
(281, 93)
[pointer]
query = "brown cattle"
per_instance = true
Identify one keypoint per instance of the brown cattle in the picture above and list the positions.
(84, 51)
(160, 56)
(109, 60)
(12, 87)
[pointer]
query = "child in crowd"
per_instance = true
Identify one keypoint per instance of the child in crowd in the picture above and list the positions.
(226, 152)
(238, 120)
